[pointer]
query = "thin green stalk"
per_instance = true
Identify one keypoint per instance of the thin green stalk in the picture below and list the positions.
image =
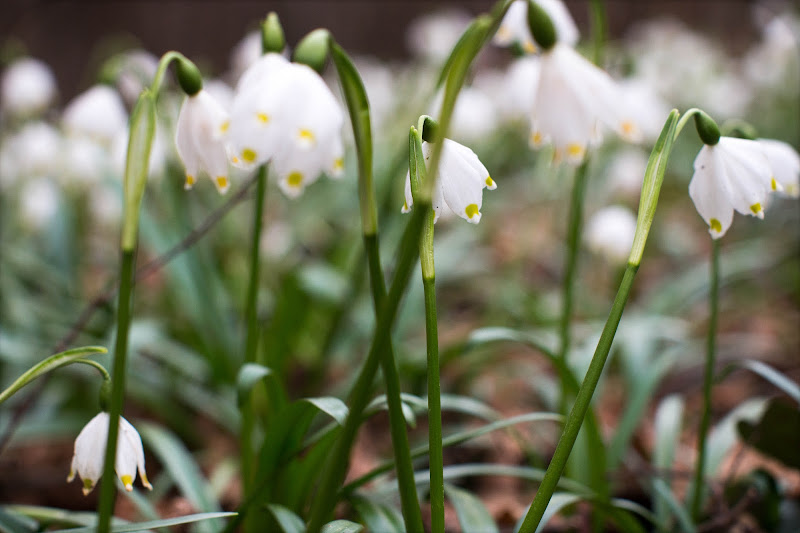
(580, 408)
(708, 382)
(435, 454)
(599, 30)
(252, 331)
(108, 487)
(336, 467)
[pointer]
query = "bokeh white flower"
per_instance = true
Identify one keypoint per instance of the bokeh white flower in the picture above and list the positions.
(39, 201)
(199, 139)
(610, 232)
(459, 184)
(432, 36)
(98, 113)
(514, 26)
(474, 115)
(90, 448)
(28, 87)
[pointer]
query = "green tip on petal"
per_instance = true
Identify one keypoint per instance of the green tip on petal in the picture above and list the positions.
(272, 37)
(707, 129)
(189, 77)
(541, 26)
(313, 49)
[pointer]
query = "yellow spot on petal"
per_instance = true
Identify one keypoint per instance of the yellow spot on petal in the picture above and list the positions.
(716, 227)
(503, 32)
(189, 181)
(306, 136)
(224, 126)
(574, 150)
(262, 117)
(529, 47)
(88, 485)
(773, 184)
(235, 159)
(338, 164)
(628, 128)
(127, 481)
(405, 206)
(756, 208)
(222, 182)
(145, 481)
(249, 155)
(489, 181)
(471, 210)
(71, 475)
(536, 138)
(295, 179)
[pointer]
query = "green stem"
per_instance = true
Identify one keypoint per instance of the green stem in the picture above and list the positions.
(108, 487)
(434, 384)
(580, 408)
(708, 382)
(252, 332)
(163, 64)
(599, 30)
(336, 467)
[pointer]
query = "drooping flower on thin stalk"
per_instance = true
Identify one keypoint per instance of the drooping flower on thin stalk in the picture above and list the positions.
(514, 26)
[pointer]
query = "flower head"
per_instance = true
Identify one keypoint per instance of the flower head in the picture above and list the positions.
(283, 112)
(610, 232)
(733, 174)
(785, 163)
(459, 185)
(514, 26)
(90, 450)
(572, 99)
(28, 87)
(97, 113)
(198, 137)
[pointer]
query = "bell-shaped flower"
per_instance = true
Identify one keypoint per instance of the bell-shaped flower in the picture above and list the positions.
(733, 174)
(785, 163)
(514, 26)
(573, 99)
(283, 112)
(199, 138)
(97, 113)
(459, 184)
(90, 451)
(28, 87)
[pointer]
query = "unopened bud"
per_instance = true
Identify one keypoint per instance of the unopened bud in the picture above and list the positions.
(272, 38)
(707, 129)
(430, 130)
(541, 26)
(313, 49)
(189, 77)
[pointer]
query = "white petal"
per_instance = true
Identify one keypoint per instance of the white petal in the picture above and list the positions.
(409, 199)
(708, 194)
(785, 163)
(90, 447)
(746, 173)
(99, 112)
(130, 455)
(462, 184)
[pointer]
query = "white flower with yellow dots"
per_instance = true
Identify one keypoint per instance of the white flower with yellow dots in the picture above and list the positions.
(90, 451)
(785, 163)
(199, 139)
(573, 99)
(514, 26)
(284, 113)
(732, 174)
(459, 185)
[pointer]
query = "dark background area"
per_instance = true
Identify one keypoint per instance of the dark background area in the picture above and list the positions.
(74, 37)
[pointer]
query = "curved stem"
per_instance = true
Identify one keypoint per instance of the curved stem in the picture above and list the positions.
(163, 64)
(108, 487)
(708, 382)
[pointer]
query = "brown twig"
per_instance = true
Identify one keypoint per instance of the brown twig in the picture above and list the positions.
(107, 295)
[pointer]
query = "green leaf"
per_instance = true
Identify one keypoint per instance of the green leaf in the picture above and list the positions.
(773, 376)
(664, 493)
(342, 526)
(249, 375)
(472, 514)
(558, 502)
(183, 469)
(378, 516)
(333, 407)
(668, 422)
(289, 522)
(13, 523)
(153, 524)
(137, 163)
(776, 434)
(536, 340)
(51, 363)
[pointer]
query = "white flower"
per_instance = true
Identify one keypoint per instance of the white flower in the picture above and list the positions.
(459, 184)
(98, 113)
(432, 37)
(137, 68)
(732, 174)
(36, 148)
(90, 450)
(284, 113)
(610, 232)
(785, 163)
(514, 26)
(626, 171)
(245, 53)
(39, 201)
(28, 87)
(199, 139)
(572, 99)
(474, 115)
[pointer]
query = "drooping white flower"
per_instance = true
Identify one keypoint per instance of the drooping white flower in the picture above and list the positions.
(732, 174)
(98, 113)
(28, 87)
(459, 185)
(610, 232)
(35, 149)
(474, 115)
(284, 113)
(199, 139)
(90, 450)
(572, 100)
(432, 36)
(785, 163)
(514, 26)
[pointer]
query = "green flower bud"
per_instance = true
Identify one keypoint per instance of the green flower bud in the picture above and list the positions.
(313, 49)
(272, 38)
(189, 77)
(542, 28)
(707, 129)
(430, 130)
